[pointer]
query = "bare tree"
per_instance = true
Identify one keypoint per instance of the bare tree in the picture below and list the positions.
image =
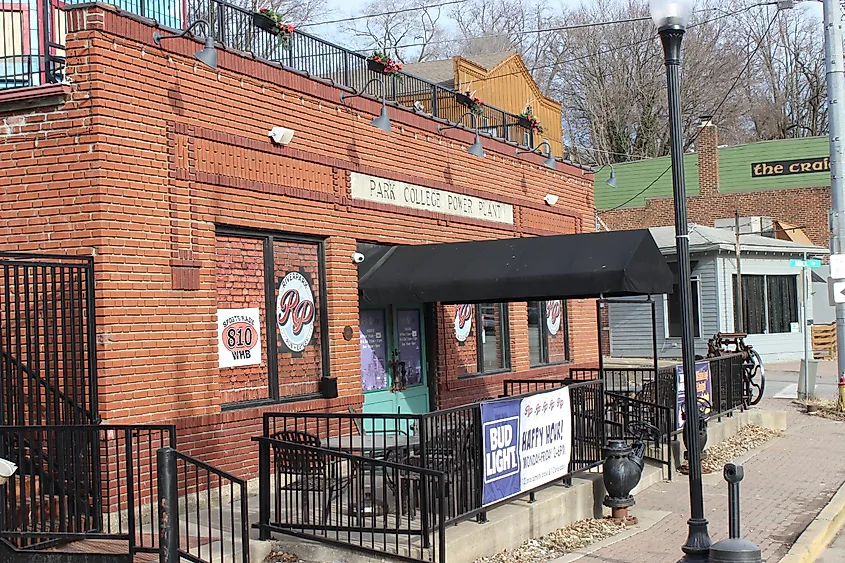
(405, 29)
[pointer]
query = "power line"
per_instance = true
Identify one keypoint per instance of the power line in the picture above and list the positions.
(582, 26)
(390, 13)
(713, 113)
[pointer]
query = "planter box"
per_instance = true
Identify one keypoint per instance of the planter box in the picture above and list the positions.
(261, 21)
(376, 66)
(463, 99)
(524, 122)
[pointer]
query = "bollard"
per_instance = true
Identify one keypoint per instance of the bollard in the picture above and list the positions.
(734, 549)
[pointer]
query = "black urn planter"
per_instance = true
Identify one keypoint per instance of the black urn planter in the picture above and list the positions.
(525, 122)
(376, 66)
(622, 471)
(261, 21)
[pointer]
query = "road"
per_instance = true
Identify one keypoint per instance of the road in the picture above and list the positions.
(782, 380)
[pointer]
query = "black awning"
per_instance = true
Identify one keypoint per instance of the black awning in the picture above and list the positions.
(612, 264)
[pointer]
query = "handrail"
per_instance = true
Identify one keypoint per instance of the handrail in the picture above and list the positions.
(9, 358)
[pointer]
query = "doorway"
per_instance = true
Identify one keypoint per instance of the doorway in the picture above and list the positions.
(394, 375)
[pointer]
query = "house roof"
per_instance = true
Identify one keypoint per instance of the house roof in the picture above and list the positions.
(442, 72)
(644, 179)
(703, 239)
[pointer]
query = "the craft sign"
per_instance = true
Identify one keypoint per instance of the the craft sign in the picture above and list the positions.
(238, 337)
(788, 167)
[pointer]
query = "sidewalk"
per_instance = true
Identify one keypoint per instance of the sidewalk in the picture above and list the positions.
(787, 483)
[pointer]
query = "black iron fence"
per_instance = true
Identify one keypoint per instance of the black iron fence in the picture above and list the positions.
(47, 340)
(234, 26)
(372, 504)
(203, 511)
(623, 419)
(81, 482)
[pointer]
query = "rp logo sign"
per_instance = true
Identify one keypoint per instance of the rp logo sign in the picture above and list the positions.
(463, 321)
(295, 311)
(554, 315)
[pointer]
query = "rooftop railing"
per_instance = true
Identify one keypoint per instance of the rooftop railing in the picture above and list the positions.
(37, 57)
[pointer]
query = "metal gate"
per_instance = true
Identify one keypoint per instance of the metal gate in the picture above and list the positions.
(47, 340)
(48, 378)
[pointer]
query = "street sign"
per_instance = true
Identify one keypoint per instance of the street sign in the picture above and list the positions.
(809, 263)
(836, 290)
(837, 266)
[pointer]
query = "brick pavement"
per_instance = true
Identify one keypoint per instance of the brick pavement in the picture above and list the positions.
(787, 483)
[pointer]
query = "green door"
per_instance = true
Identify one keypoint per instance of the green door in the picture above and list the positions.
(393, 366)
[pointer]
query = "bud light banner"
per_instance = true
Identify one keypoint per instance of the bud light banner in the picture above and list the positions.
(527, 443)
(238, 337)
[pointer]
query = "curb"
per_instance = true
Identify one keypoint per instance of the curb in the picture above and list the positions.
(821, 531)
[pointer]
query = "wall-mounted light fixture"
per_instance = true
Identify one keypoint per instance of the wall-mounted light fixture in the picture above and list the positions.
(208, 54)
(476, 148)
(382, 121)
(550, 161)
(550, 199)
(611, 180)
(281, 135)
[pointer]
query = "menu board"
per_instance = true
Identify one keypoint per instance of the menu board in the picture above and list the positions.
(410, 344)
(373, 350)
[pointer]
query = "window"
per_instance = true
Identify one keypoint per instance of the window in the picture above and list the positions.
(548, 332)
(275, 283)
(12, 43)
(769, 303)
(481, 351)
(673, 310)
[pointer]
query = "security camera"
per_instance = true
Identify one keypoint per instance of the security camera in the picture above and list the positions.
(281, 136)
(7, 469)
(357, 257)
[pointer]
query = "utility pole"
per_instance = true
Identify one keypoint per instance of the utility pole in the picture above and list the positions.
(835, 71)
(740, 324)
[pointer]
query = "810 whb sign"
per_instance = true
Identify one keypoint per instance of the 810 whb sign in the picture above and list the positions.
(238, 337)
(527, 443)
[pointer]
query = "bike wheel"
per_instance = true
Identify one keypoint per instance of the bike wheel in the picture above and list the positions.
(756, 379)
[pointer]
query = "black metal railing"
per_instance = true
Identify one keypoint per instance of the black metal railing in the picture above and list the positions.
(376, 505)
(47, 340)
(82, 482)
(588, 437)
(514, 387)
(233, 26)
(726, 375)
(203, 511)
(622, 414)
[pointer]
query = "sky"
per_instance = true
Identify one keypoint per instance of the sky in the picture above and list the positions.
(346, 8)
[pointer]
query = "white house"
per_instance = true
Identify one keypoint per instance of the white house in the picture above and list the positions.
(773, 297)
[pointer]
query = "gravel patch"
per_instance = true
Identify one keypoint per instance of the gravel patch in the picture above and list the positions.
(277, 556)
(826, 409)
(560, 542)
(748, 438)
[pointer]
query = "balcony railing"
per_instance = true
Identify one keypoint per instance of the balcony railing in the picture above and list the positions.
(233, 27)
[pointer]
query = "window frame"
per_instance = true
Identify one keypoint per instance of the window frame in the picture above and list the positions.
(477, 318)
(544, 336)
(24, 39)
(694, 280)
(268, 238)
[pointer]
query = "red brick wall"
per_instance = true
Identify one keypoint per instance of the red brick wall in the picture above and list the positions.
(806, 207)
(142, 167)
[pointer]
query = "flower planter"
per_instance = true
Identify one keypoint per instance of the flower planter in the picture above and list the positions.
(376, 66)
(261, 21)
(463, 99)
(525, 122)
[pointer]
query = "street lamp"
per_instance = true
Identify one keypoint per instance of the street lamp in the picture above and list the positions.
(671, 18)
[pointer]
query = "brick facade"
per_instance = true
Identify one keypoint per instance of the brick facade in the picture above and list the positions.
(151, 154)
(806, 207)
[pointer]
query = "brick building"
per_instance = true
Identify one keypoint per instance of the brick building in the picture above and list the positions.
(204, 232)
(722, 181)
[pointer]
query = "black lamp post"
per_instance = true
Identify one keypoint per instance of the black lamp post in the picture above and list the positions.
(671, 18)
